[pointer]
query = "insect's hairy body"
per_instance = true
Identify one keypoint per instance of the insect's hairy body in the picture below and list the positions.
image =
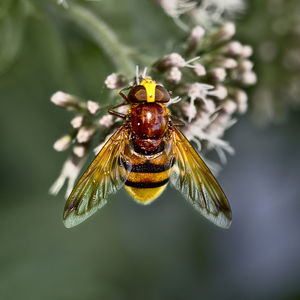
(149, 150)
(143, 155)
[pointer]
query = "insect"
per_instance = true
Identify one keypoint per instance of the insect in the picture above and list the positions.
(143, 155)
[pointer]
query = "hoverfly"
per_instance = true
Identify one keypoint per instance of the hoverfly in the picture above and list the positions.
(143, 155)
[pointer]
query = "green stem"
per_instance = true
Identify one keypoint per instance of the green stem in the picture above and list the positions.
(104, 36)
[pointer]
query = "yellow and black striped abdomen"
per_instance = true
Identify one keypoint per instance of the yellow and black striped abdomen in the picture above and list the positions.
(148, 178)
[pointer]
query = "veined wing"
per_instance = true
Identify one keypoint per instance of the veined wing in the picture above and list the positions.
(195, 181)
(103, 177)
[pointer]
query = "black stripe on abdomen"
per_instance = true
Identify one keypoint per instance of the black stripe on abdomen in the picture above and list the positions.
(147, 167)
(139, 150)
(145, 185)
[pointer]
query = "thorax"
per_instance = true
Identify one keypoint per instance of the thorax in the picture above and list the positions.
(148, 124)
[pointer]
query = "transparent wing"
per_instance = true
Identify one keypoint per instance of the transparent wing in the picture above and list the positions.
(196, 182)
(103, 177)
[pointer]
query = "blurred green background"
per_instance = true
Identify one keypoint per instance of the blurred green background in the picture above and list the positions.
(126, 251)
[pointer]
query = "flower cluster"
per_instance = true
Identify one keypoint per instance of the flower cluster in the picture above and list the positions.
(210, 85)
(85, 125)
(202, 12)
(206, 81)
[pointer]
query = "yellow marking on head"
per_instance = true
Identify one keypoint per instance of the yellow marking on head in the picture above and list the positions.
(149, 85)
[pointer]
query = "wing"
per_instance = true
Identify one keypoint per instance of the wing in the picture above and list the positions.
(103, 177)
(196, 182)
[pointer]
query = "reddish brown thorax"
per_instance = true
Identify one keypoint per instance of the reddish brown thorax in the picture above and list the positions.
(149, 123)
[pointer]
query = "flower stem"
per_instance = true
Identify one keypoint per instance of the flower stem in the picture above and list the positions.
(104, 36)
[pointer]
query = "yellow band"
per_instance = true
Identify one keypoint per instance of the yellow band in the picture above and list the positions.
(149, 85)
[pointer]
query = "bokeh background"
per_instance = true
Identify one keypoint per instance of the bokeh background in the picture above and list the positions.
(126, 251)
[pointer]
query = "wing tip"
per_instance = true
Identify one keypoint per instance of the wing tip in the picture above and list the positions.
(222, 220)
(72, 219)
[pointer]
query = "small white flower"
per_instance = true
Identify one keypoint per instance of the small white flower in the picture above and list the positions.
(114, 81)
(189, 110)
(220, 92)
(79, 150)
(245, 65)
(229, 106)
(233, 48)
(173, 100)
(194, 39)
(247, 51)
(199, 69)
(197, 34)
(218, 74)
(92, 107)
(210, 106)
(228, 63)
(210, 12)
(174, 60)
(249, 78)
(85, 133)
(174, 75)
(198, 91)
(201, 129)
(175, 8)
(69, 172)
(63, 143)
(63, 99)
(106, 121)
(77, 122)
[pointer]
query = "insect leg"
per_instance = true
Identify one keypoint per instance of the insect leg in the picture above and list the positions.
(117, 114)
(179, 122)
(123, 95)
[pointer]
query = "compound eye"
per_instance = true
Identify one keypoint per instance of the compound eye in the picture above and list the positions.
(137, 94)
(161, 94)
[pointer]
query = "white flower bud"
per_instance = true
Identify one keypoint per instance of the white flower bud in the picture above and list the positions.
(226, 32)
(114, 81)
(220, 92)
(234, 48)
(77, 122)
(242, 108)
(245, 65)
(170, 60)
(240, 96)
(199, 69)
(174, 75)
(218, 74)
(247, 51)
(241, 100)
(106, 121)
(63, 143)
(64, 100)
(92, 107)
(79, 150)
(189, 110)
(85, 133)
(228, 63)
(197, 33)
(229, 106)
(222, 119)
(210, 106)
(248, 78)
(195, 37)
(215, 130)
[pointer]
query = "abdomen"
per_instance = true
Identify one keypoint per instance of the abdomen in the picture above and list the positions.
(149, 174)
